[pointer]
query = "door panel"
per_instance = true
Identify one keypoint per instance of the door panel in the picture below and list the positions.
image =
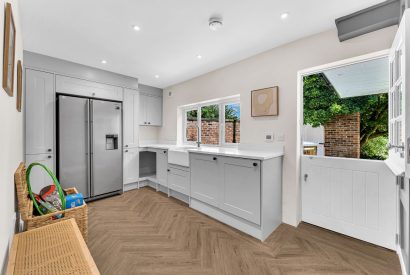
(162, 164)
(74, 143)
(38, 176)
(178, 180)
(107, 147)
(39, 112)
(130, 118)
(205, 180)
(241, 194)
(131, 165)
(350, 196)
(154, 110)
(142, 109)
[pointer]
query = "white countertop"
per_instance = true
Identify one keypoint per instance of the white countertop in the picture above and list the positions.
(221, 151)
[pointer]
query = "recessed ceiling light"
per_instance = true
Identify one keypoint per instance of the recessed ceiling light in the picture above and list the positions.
(284, 15)
(215, 23)
(136, 28)
(156, 76)
(199, 56)
(104, 61)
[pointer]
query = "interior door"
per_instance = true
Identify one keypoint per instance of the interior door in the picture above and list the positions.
(106, 161)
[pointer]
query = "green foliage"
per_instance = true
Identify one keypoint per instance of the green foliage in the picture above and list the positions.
(322, 104)
(212, 112)
(375, 148)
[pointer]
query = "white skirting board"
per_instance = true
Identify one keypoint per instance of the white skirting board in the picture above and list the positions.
(402, 265)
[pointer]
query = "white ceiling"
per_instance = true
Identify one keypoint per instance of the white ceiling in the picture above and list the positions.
(173, 32)
(364, 78)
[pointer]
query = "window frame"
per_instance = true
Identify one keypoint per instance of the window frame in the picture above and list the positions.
(221, 102)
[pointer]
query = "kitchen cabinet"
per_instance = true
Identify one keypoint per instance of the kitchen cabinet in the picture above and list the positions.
(178, 179)
(131, 165)
(241, 188)
(162, 164)
(130, 118)
(40, 98)
(80, 87)
(205, 178)
(150, 113)
(38, 176)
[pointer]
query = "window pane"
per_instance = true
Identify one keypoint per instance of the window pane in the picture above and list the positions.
(210, 124)
(232, 123)
(190, 126)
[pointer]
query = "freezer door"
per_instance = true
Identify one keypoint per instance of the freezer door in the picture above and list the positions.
(106, 161)
(74, 143)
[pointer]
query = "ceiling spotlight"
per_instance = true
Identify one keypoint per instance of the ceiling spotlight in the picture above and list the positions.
(104, 61)
(199, 56)
(136, 28)
(284, 15)
(156, 76)
(215, 23)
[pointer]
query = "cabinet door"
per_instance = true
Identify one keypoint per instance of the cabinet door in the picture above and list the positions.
(162, 164)
(131, 165)
(154, 110)
(130, 118)
(205, 180)
(241, 193)
(178, 180)
(142, 110)
(40, 99)
(38, 176)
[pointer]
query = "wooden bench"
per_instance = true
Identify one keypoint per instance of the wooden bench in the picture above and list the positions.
(58, 248)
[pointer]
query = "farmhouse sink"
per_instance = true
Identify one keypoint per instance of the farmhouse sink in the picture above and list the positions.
(179, 155)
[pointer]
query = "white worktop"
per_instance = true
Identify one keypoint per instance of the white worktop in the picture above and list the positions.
(222, 151)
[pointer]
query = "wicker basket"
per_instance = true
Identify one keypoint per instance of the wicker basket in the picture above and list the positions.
(25, 206)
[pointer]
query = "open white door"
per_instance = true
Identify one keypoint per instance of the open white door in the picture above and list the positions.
(399, 132)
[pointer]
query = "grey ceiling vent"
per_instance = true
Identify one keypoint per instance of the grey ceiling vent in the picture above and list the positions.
(374, 18)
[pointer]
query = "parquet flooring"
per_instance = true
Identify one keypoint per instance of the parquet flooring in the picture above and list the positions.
(144, 232)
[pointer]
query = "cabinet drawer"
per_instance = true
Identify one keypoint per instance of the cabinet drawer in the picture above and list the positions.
(74, 86)
(178, 179)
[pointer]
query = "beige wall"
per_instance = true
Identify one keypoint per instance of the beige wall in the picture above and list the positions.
(276, 67)
(11, 142)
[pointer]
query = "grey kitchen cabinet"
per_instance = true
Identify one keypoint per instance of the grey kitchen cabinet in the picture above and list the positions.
(40, 104)
(241, 188)
(130, 165)
(38, 177)
(162, 164)
(179, 178)
(404, 219)
(150, 112)
(205, 178)
(130, 118)
(80, 87)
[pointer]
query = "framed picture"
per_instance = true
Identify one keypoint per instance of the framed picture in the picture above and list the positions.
(19, 85)
(265, 102)
(8, 51)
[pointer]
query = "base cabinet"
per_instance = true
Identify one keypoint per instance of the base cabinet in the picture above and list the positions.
(178, 179)
(131, 165)
(162, 164)
(38, 176)
(205, 179)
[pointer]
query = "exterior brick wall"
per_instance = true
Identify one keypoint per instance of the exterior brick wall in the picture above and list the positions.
(342, 136)
(210, 131)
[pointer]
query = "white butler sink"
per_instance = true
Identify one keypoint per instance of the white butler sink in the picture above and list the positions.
(179, 155)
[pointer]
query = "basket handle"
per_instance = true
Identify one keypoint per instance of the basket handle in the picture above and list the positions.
(55, 181)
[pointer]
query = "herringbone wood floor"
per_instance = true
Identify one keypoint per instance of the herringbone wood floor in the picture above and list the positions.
(144, 232)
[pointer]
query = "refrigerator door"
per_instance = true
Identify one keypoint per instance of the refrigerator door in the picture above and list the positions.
(106, 160)
(74, 143)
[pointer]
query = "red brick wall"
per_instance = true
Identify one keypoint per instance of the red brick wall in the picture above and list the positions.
(210, 131)
(342, 136)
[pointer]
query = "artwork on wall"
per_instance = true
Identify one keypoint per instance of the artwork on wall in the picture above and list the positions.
(9, 51)
(19, 85)
(265, 102)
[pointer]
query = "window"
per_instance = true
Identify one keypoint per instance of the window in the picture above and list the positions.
(218, 121)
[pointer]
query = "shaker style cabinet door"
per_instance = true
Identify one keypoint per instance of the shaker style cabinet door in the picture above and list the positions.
(39, 112)
(131, 165)
(130, 118)
(162, 164)
(150, 110)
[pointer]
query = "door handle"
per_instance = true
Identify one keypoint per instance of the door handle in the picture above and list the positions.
(255, 164)
(49, 157)
(126, 151)
(165, 152)
(214, 158)
(49, 150)
(305, 176)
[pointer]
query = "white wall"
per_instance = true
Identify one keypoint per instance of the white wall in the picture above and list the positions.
(11, 142)
(279, 67)
(148, 134)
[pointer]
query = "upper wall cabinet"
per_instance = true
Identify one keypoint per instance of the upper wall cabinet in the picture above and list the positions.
(130, 118)
(75, 86)
(150, 110)
(40, 98)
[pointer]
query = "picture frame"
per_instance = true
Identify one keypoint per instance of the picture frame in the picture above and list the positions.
(19, 85)
(265, 102)
(9, 50)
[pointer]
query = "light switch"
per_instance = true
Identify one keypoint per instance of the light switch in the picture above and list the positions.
(269, 137)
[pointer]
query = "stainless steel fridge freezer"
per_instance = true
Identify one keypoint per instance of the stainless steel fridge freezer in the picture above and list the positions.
(89, 145)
